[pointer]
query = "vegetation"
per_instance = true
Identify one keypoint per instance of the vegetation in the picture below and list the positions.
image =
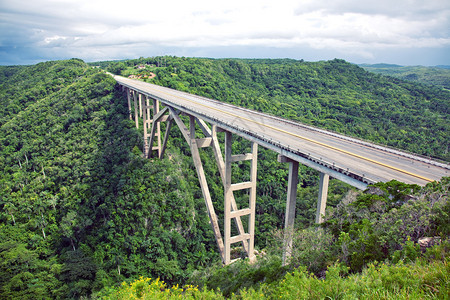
(381, 225)
(81, 211)
(439, 76)
(421, 279)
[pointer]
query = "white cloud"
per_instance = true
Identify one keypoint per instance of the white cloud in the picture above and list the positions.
(397, 9)
(347, 26)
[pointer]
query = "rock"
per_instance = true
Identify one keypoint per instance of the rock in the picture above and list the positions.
(373, 190)
(427, 242)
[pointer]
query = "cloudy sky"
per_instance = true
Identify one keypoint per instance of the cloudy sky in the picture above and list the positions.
(406, 32)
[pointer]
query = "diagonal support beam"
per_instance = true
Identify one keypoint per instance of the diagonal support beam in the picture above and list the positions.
(204, 127)
(205, 189)
(228, 193)
(181, 126)
(190, 138)
(166, 136)
(160, 114)
(218, 153)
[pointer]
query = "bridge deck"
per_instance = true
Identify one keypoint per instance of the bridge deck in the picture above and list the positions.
(348, 159)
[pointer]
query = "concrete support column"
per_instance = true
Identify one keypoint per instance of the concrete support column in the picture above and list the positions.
(158, 128)
(129, 102)
(290, 210)
(136, 109)
(147, 102)
(140, 104)
(145, 117)
(322, 200)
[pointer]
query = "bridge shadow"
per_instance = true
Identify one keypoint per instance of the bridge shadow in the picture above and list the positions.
(135, 216)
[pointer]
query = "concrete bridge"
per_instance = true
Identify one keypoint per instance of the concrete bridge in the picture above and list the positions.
(350, 160)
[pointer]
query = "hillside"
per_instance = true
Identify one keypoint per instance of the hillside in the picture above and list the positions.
(79, 209)
(82, 211)
(439, 75)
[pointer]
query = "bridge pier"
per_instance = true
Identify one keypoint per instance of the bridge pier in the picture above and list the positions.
(289, 218)
(145, 116)
(166, 136)
(291, 204)
(136, 109)
(158, 117)
(129, 101)
(322, 199)
(156, 110)
(231, 210)
(142, 108)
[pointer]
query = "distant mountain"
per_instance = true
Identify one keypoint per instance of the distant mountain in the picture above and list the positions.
(437, 75)
(380, 66)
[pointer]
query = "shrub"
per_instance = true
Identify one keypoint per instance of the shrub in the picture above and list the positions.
(146, 288)
(311, 247)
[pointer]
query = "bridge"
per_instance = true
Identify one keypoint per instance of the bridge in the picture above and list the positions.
(350, 160)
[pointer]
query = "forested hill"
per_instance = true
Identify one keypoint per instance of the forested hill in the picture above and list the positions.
(82, 211)
(333, 94)
(439, 75)
(79, 208)
(21, 86)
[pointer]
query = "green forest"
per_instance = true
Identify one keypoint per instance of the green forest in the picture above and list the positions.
(84, 215)
(439, 75)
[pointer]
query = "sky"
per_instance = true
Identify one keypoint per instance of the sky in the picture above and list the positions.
(404, 32)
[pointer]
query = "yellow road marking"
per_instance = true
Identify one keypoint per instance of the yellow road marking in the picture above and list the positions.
(300, 137)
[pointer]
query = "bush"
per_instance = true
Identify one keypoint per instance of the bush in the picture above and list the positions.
(240, 275)
(311, 247)
(146, 288)
(417, 280)
(387, 221)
